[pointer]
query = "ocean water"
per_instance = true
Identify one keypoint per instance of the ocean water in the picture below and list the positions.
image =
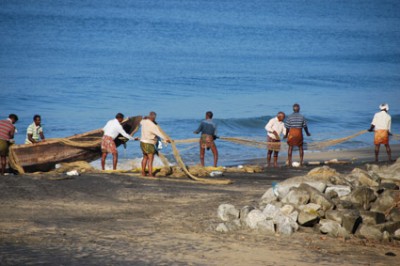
(78, 63)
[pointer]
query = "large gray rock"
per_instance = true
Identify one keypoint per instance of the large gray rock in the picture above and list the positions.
(364, 178)
(394, 215)
(369, 232)
(334, 215)
(318, 185)
(268, 197)
(318, 198)
(270, 211)
(227, 212)
(372, 218)
(349, 219)
(266, 226)
(307, 219)
(391, 227)
(297, 196)
(222, 228)
(389, 186)
(287, 209)
(344, 205)
(396, 234)
(386, 201)
(391, 172)
(286, 224)
(233, 225)
(329, 227)
(339, 189)
(244, 212)
(254, 217)
(362, 197)
(323, 171)
(310, 208)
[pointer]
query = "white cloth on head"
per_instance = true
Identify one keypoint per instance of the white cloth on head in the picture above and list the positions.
(384, 106)
(113, 128)
(275, 125)
(382, 121)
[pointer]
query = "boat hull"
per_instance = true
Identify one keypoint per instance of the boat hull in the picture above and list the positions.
(45, 155)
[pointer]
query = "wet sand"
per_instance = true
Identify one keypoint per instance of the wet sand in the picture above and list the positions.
(115, 219)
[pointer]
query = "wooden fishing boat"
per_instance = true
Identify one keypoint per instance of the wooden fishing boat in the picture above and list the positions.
(45, 155)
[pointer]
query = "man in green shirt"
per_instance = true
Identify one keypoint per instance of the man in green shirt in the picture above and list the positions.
(35, 131)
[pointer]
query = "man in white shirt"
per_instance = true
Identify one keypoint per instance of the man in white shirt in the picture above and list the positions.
(148, 140)
(111, 131)
(381, 125)
(275, 128)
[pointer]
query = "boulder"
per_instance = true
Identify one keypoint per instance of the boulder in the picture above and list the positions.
(364, 178)
(307, 219)
(266, 226)
(233, 225)
(329, 227)
(268, 197)
(286, 224)
(323, 171)
(369, 232)
(318, 198)
(222, 228)
(386, 237)
(227, 212)
(351, 219)
(386, 201)
(389, 186)
(310, 208)
(331, 194)
(339, 189)
(391, 227)
(297, 196)
(362, 197)
(372, 218)
(270, 211)
(344, 205)
(254, 217)
(244, 212)
(318, 185)
(287, 209)
(394, 215)
(334, 215)
(396, 234)
(391, 172)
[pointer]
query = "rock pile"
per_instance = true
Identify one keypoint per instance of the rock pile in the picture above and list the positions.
(364, 203)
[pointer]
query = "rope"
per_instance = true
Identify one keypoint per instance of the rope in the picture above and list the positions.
(327, 143)
(13, 161)
(182, 165)
(94, 142)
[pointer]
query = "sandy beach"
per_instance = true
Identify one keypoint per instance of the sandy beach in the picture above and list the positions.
(116, 219)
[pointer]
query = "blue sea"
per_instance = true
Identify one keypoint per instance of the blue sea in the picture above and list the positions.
(78, 63)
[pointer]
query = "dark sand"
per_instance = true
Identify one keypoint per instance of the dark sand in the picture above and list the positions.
(114, 219)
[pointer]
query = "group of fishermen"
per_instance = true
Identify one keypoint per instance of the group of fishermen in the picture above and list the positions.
(277, 128)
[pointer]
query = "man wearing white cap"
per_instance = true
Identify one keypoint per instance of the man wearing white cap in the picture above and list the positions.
(381, 125)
